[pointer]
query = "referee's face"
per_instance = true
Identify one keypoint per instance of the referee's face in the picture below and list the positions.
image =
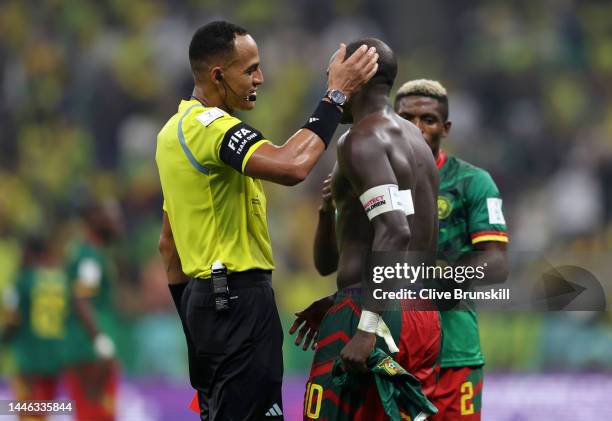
(243, 75)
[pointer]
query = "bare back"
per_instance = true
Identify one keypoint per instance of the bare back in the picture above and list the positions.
(380, 149)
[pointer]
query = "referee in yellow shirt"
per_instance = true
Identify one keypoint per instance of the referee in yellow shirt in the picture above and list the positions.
(214, 240)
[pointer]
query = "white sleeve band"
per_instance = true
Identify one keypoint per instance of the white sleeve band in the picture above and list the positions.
(380, 199)
(368, 322)
(406, 201)
(104, 346)
(89, 273)
(373, 323)
(384, 332)
(386, 198)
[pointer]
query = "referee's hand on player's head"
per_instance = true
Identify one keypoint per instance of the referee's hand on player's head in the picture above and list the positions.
(350, 74)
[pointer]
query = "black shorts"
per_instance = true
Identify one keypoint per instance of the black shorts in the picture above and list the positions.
(235, 357)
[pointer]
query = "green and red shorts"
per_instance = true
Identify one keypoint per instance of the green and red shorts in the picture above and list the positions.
(29, 386)
(93, 386)
(458, 395)
(417, 335)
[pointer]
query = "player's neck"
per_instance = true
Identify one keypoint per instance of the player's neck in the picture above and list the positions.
(370, 100)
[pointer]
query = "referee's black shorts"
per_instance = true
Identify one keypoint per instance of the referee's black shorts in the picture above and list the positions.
(235, 357)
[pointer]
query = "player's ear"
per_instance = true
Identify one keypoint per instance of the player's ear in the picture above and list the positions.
(447, 127)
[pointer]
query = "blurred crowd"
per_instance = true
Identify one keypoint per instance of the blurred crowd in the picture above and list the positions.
(85, 86)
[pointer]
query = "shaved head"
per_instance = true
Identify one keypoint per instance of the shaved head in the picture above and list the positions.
(387, 63)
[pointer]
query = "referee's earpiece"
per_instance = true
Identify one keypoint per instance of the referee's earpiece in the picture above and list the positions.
(219, 78)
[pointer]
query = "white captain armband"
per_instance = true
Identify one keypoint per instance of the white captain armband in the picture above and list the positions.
(386, 198)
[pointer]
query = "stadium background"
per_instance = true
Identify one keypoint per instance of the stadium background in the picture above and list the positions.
(85, 85)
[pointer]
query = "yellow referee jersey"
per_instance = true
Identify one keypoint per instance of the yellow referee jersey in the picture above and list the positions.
(215, 211)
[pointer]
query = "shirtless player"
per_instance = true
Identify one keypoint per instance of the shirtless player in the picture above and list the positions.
(380, 155)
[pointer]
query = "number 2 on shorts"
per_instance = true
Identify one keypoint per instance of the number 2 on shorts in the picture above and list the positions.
(467, 393)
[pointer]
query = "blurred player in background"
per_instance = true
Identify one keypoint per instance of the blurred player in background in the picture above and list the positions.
(380, 155)
(92, 372)
(36, 307)
(472, 232)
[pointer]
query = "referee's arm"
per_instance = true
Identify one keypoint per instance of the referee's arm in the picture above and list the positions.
(170, 257)
(290, 163)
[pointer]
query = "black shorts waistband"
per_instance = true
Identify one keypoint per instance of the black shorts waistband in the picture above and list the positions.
(238, 280)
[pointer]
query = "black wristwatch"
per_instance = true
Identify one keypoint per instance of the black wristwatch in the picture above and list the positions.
(336, 97)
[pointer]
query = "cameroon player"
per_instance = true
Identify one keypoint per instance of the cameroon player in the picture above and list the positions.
(92, 374)
(472, 231)
(385, 185)
(35, 310)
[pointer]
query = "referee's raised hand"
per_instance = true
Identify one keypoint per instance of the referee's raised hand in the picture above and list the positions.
(350, 74)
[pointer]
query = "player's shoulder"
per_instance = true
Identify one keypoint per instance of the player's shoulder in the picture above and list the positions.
(212, 116)
(368, 132)
(348, 139)
(468, 169)
(475, 179)
(209, 120)
(408, 127)
(357, 142)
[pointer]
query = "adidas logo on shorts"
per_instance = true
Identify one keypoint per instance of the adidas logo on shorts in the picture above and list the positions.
(275, 411)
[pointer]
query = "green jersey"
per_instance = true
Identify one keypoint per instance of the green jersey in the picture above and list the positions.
(40, 300)
(400, 392)
(89, 273)
(469, 212)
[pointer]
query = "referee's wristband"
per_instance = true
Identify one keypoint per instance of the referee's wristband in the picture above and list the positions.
(323, 121)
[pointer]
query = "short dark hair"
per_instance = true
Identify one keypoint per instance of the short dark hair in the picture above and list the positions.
(387, 63)
(211, 40)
